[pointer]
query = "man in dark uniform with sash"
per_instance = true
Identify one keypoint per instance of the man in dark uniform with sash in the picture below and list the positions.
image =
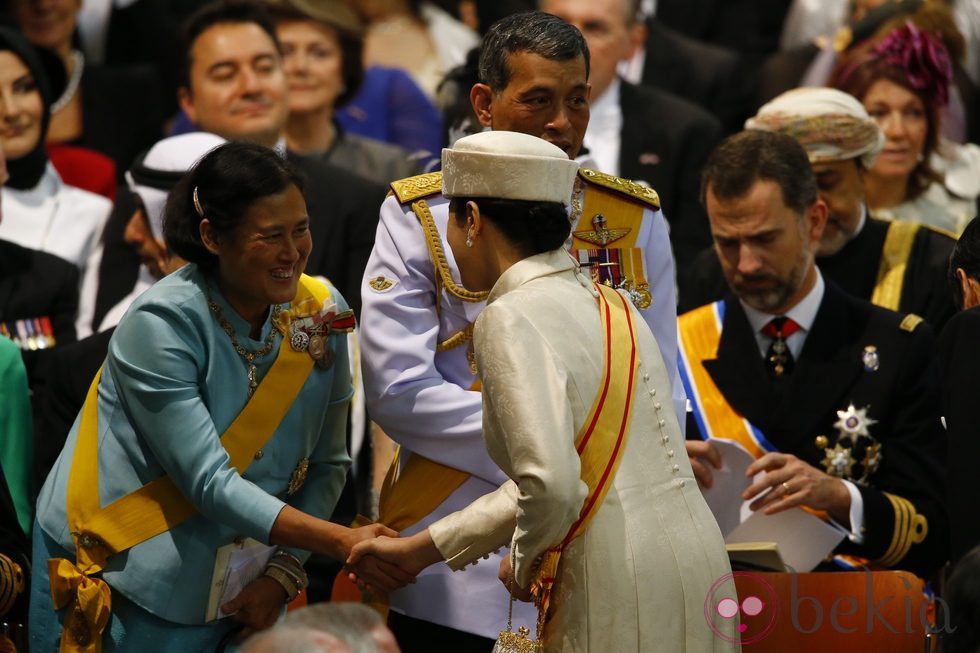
(896, 265)
(837, 399)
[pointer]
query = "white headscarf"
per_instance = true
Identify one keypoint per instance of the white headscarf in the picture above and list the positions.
(154, 174)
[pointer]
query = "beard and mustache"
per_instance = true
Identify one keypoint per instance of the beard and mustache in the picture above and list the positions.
(767, 292)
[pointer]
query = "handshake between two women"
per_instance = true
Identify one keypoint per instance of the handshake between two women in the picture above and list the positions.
(383, 564)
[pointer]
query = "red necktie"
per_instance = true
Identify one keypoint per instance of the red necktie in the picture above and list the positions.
(779, 359)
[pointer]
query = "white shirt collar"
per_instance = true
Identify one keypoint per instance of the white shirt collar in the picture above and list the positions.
(602, 138)
(804, 314)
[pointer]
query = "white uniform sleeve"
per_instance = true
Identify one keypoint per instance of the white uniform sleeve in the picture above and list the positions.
(661, 316)
(406, 391)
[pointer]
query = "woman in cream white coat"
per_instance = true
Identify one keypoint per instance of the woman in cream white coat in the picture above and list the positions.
(637, 579)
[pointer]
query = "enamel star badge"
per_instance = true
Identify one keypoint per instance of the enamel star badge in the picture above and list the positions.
(853, 423)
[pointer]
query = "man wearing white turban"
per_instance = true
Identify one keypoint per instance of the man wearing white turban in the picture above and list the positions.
(901, 266)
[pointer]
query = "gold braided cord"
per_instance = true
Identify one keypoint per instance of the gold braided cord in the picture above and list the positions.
(456, 340)
(434, 242)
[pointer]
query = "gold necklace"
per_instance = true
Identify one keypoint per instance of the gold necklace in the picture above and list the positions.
(248, 355)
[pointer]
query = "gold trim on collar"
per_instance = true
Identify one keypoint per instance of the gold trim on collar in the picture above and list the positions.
(623, 186)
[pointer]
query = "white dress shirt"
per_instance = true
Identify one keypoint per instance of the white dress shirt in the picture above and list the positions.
(605, 130)
(804, 313)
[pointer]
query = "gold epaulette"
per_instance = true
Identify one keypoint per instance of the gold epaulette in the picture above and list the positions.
(910, 322)
(417, 187)
(624, 186)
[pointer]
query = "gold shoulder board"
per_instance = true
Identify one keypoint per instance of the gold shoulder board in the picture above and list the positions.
(620, 185)
(910, 322)
(417, 187)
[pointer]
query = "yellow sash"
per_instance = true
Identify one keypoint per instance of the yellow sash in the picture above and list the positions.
(602, 440)
(699, 333)
(158, 506)
(894, 260)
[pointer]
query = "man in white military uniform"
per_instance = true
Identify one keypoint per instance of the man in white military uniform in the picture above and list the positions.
(417, 320)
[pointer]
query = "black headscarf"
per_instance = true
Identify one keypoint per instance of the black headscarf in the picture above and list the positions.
(26, 171)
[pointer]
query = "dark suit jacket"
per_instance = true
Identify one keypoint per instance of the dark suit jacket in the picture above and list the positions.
(710, 76)
(120, 264)
(123, 111)
(68, 373)
(959, 353)
(343, 210)
(147, 32)
(749, 26)
(925, 290)
(36, 284)
(665, 141)
(902, 395)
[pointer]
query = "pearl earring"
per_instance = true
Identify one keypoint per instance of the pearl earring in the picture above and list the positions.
(469, 239)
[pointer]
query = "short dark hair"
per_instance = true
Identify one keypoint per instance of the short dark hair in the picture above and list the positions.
(228, 180)
(532, 227)
(216, 13)
(534, 32)
(351, 42)
(743, 158)
(966, 255)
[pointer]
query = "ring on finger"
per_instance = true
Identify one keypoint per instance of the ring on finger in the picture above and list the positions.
(786, 487)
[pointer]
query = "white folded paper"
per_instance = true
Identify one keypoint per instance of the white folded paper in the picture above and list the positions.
(802, 539)
(235, 566)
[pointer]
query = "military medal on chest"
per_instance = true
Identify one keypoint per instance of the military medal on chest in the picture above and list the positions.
(856, 454)
(309, 331)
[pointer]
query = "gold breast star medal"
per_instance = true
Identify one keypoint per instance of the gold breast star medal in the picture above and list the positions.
(600, 234)
(298, 477)
(853, 437)
(837, 460)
